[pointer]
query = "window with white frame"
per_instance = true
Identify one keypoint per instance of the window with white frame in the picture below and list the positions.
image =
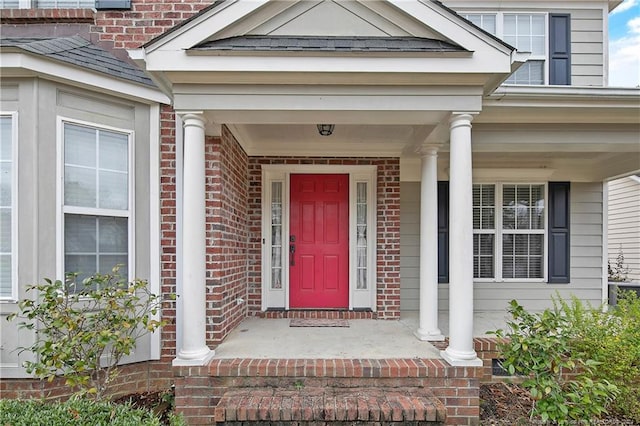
(47, 4)
(509, 231)
(96, 200)
(7, 207)
(66, 4)
(527, 32)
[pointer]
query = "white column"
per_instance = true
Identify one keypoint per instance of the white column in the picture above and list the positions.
(194, 349)
(428, 329)
(460, 351)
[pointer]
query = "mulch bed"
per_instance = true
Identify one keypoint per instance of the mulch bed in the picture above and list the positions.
(501, 404)
(504, 404)
(160, 403)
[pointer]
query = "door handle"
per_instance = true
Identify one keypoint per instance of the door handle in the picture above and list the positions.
(292, 252)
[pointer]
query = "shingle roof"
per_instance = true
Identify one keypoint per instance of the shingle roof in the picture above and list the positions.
(77, 51)
(328, 44)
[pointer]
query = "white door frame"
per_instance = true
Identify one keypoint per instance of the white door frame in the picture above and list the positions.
(279, 174)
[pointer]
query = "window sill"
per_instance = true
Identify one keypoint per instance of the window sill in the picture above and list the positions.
(47, 16)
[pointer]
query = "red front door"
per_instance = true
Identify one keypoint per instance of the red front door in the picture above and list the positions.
(319, 241)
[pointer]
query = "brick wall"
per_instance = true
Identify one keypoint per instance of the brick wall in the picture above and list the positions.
(199, 389)
(138, 377)
(129, 29)
(388, 224)
(227, 233)
(168, 215)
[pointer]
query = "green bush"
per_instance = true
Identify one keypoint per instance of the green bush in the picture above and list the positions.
(613, 340)
(84, 330)
(538, 346)
(578, 362)
(75, 412)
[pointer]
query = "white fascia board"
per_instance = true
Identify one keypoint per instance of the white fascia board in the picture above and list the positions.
(203, 26)
(180, 61)
(453, 28)
(76, 76)
(290, 102)
(517, 5)
(139, 57)
(586, 97)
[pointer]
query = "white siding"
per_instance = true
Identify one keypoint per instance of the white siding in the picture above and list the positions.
(42, 102)
(586, 257)
(624, 223)
(587, 32)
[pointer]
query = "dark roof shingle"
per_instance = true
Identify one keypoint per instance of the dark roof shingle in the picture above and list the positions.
(77, 51)
(329, 44)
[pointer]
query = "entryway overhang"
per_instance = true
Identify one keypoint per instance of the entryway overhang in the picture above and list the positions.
(386, 73)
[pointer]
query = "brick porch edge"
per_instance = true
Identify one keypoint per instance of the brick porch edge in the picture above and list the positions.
(200, 389)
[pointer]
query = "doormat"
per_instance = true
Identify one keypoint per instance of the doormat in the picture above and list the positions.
(318, 322)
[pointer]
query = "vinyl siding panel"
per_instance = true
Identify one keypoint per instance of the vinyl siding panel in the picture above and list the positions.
(624, 224)
(587, 33)
(586, 258)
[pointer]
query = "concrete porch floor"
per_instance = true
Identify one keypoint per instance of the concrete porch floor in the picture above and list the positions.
(364, 338)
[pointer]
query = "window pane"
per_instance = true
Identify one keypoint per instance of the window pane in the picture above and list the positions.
(486, 22)
(6, 205)
(9, 4)
(522, 256)
(5, 183)
(361, 235)
(113, 190)
(83, 265)
(532, 72)
(5, 230)
(106, 264)
(483, 210)
(80, 234)
(276, 235)
(537, 25)
(113, 151)
(113, 235)
(510, 25)
(95, 244)
(79, 187)
(483, 255)
(101, 183)
(79, 145)
(5, 275)
(51, 4)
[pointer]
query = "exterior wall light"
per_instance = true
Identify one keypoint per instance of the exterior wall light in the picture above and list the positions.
(326, 129)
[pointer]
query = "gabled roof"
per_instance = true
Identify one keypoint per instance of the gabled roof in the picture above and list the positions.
(77, 51)
(328, 44)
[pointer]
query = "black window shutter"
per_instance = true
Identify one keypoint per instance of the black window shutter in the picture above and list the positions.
(560, 49)
(113, 4)
(559, 253)
(443, 232)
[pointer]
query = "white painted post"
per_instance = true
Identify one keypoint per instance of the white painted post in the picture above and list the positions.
(428, 328)
(194, 349)
(460, 351)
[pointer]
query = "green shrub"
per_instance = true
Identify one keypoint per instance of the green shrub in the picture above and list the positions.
(73, 412)
(84, 330)
(540, 347)
(613, 340)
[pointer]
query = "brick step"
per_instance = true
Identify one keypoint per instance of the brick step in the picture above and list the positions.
(306, 406)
